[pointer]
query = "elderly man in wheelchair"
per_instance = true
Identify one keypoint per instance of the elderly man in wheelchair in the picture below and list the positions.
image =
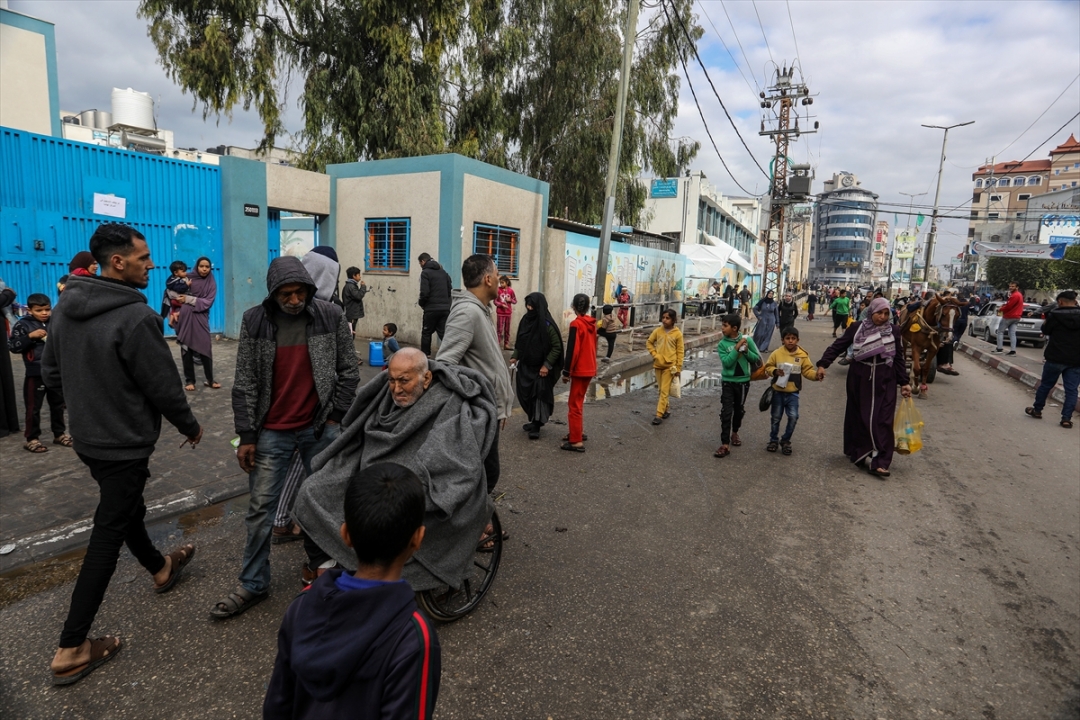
(439, 421)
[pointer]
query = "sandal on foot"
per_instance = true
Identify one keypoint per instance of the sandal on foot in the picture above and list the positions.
(1067, 424)
(1032, 412)
(666, 415)
(785, 448)
(236, 603)
(584, 437)
(879, 474)
(64, 440)
(735, 439)
(722, 452)
(213, 385)
(772, 446)
(179, 558)
(486, 543)
(571, 447)
(657, 420)
(281, 535)
(102, 650)
(35, 446)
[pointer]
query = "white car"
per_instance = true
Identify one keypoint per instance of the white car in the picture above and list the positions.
(1029, 329)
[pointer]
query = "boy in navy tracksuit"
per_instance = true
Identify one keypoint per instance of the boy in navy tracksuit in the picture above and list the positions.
(28, 339)
(355, 645)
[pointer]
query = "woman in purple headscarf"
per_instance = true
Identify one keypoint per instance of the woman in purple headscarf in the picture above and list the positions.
(193, 327)
(876, 370)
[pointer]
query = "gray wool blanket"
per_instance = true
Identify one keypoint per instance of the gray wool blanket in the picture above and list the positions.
(443, 438)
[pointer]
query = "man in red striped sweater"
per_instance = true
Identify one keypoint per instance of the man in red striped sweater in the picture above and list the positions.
(355, 645)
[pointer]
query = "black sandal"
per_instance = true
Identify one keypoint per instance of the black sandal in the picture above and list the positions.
(1067, 424)
(772, 446)
(572, 448)
(785, 448)
(236, 603)
(1032, 412)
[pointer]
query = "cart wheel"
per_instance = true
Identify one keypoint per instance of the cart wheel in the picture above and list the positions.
(932, 373)
(448, 604)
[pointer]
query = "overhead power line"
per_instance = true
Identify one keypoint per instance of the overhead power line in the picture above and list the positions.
(792, 23)
(1041, 115)
(762, 26)
(1065, 125)
(754, 92)
(741, 49)
(693, 47)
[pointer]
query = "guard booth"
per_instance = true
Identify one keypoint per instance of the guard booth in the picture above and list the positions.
(54, 193)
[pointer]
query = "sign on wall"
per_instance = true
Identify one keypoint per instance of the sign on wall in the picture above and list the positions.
(1059, 230)
(662, 188)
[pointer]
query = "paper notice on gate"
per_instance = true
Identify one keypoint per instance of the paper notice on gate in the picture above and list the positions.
(110, 205)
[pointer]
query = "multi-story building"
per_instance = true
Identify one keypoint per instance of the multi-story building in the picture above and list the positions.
(692, 211)
(844, 223)
(880, 253)
(800, 223)
(1065, 165)
(1000, 199)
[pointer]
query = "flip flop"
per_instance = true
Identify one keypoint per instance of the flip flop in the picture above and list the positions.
(102, 650)
(180, 558)
(571, 448)
(584, 437)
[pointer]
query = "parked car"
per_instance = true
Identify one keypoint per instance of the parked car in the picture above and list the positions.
(1029, 329)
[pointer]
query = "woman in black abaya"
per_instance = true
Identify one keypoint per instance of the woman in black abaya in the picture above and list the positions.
(537, 356)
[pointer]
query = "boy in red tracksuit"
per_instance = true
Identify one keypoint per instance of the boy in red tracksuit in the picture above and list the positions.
(579, 369)
(1010, 317)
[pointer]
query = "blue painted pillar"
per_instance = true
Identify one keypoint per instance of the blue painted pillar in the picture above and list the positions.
(244, 238)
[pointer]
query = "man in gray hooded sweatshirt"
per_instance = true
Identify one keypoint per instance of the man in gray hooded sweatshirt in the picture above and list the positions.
(296, 375)
(471, 341)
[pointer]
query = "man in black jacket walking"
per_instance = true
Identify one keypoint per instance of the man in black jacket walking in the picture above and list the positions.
(1061, 357)
(107, 357)
(435, 286)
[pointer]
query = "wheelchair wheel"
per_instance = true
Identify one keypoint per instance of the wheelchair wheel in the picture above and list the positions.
(447, 604)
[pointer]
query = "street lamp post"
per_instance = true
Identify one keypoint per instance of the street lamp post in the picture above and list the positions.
(937, 197)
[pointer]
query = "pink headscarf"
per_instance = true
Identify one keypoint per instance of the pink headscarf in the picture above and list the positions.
(874, 341)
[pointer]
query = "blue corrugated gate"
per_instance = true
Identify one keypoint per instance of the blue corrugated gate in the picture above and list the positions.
(48, 190)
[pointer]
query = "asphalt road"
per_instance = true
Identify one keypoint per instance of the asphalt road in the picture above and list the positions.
(645, 578)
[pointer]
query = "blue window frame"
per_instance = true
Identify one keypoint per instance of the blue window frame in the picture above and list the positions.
(501, 243)
(387, 246)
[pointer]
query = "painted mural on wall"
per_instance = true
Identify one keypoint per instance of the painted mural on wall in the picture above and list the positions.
(652, 276)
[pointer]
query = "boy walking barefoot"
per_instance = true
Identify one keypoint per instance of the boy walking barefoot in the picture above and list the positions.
(737, 353)
(665, 344)
(355, 645)
(789, 363)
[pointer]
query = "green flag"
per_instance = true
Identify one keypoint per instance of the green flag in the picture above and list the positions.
(896, 220)
(919, 220)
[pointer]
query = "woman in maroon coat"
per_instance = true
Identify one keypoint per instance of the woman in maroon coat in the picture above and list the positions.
(193, 329)
(873, 376)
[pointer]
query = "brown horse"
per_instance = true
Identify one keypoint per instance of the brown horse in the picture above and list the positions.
(925, 341)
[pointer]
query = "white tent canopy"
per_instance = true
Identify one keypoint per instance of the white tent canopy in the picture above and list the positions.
(706, 261)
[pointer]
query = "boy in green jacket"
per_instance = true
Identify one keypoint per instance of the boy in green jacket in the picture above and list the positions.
(737, 356)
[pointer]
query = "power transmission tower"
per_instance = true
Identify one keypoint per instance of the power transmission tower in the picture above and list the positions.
(781, 98)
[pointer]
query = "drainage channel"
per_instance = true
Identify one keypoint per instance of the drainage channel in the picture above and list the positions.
(22, 582)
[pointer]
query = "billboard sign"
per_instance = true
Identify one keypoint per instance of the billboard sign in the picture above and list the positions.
(905, 246)
(1031, 251)
(1059, 229)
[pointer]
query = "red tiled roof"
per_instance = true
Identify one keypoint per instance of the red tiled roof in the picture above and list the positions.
(1069, 146)
(1007, 168)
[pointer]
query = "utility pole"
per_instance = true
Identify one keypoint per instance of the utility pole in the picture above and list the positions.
(937, 197)
(782, 96)
(613, 157)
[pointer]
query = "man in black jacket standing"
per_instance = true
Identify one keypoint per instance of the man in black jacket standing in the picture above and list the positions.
(1061, 357)
(435, 286)
(107, 357)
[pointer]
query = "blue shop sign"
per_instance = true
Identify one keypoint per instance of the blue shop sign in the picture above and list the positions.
(664, 188)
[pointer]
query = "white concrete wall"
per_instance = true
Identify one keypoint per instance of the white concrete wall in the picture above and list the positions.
(391, 296)
(493, 203)
(289, 188)
(24, 81)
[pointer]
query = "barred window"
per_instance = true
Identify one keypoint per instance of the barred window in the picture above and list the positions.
(501, 243)
(387, 244)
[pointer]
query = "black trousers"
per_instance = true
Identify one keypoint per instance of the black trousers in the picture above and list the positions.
(34, 396)
(732, 408)
(610, 337)
(945, 354)
(839, 322)
(117, 521)
(434, 322)
(187, 355)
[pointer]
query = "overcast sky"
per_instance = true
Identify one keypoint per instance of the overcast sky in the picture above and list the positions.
(878, 70)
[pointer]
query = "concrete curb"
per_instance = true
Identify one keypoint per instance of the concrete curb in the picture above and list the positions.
(1014, 371)
(63, 539)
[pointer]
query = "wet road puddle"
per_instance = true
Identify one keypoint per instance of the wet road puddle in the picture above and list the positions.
(643, 378)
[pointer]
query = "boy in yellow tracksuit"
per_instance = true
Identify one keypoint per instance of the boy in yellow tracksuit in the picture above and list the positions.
(665, 344)
(791, 360)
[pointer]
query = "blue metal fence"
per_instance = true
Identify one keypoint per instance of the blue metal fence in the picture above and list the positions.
(48, 188)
